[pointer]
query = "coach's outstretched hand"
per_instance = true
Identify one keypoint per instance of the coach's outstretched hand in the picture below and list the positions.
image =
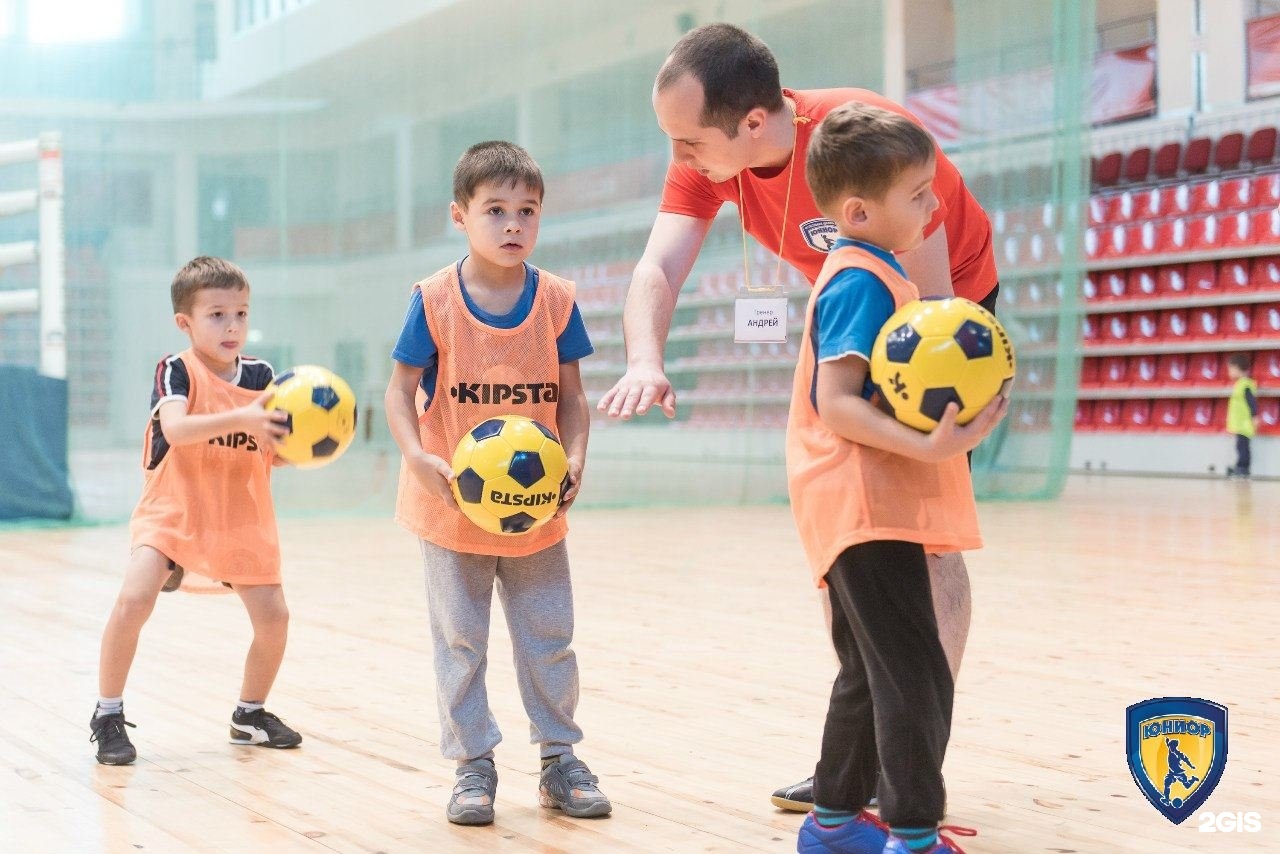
(639, 388)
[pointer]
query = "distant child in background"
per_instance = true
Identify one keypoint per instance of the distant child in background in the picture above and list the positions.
(206, 510)
(1242, 412)
(872, 496)
(493, 318)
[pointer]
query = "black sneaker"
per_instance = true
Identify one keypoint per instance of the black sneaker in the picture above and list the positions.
(114, 747)
(798, 797)
(262, 728)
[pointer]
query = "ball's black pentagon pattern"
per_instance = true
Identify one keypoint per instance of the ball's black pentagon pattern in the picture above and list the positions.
(288, 420)
(546, 432)
(901, 344)
(935, 400)
(324, 448)
(471, 486)
(487, 429)
(564, 487)
(934, 297)
(517, 524)
(281, 379)
(975, 339)
(526, 468)
(324, 397)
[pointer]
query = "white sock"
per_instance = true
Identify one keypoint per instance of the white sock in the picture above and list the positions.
(109, 706)
(248, 707)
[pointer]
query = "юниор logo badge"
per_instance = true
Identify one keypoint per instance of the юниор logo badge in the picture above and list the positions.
(1177, 750)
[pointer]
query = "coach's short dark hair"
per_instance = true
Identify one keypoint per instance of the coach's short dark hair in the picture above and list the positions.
(204, 272)
(861, 150)
(494, 162)
(1240, 361)
(737, 71)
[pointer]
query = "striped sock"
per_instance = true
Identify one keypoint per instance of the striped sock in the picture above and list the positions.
(109, 706)
(917, 838)
(826, 817)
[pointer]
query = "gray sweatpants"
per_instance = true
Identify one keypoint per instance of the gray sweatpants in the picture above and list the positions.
(537, 598)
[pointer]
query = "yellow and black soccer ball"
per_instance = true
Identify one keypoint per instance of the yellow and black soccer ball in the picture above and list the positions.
(936, 351)
(322, 415)
(510, 474)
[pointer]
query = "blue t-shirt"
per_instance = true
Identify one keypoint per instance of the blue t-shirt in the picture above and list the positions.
(850, 312)
(417, 349)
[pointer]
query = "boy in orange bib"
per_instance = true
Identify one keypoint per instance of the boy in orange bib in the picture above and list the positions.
(491, 318)
(871, 496)
(205, 518)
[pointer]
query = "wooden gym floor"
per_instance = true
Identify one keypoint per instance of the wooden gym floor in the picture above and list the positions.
(704, 679)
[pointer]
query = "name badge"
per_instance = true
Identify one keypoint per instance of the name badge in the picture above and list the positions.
(760, 319)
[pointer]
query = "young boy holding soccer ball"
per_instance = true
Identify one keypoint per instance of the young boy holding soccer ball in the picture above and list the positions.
(871, 496)
(492, 319)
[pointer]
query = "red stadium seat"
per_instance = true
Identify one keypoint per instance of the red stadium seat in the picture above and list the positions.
(1171, 235)
(1266, 226)
(1166, 160)
(1106, 170)
(1205, 196)
(1144, 326)
(1269, 415)
(1141, 283)
(1237, 321)
(1124, 208)
(1226, 154)
(1089, 329)
(1174, 325)
(1084, 416)
(1135, 415)
(1265, 273)
(1266, 367)
(1237, 193)
(1206, 369)
(1205, 233)
(1099, 209)
(1200, 415)
(1171, 280)
(1237, 229)
(1106, 415)
(1093, 241)
(1195, 159)
(1152, 203)
(1172, 369)
(1261, 149)
(1113, 285)
(1144, 370)
(1266, 190)
(1266, 320)
(1178, 199)
(1090, 373)
(1114, 328)
(1089, 286)
(1205, 321)
(1114, 372)
(1234, 277)
(1202, 278)
(1137, 165)
(1167, 415)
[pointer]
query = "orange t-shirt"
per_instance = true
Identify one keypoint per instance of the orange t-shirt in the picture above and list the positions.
(207, 505)
(843, 493)
(473, 358)
(809, 234)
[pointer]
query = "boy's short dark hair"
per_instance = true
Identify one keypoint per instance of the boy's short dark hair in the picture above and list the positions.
(1240, 361)
(737, 71)
(494, 162)
(861, 150)
(204, 272)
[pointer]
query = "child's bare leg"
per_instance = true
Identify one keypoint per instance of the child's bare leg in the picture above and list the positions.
(269, 616)
(145, 574)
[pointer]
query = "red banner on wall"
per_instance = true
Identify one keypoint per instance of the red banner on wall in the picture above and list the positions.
(1262, 39)
(1123, 87)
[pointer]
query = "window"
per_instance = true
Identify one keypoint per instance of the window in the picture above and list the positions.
(71, 21)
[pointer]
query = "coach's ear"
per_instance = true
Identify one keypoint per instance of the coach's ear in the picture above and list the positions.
(457, 216)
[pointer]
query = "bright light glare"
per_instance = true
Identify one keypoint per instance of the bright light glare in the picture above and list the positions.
(6, 18)
(65, 21)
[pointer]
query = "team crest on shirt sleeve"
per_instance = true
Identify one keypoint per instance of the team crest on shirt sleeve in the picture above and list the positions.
(819, 233)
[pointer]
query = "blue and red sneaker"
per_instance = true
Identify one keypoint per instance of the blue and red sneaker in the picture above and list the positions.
(863, 834)
(944, 845)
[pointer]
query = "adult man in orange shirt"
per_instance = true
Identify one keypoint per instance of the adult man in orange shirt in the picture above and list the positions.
(736, 134)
